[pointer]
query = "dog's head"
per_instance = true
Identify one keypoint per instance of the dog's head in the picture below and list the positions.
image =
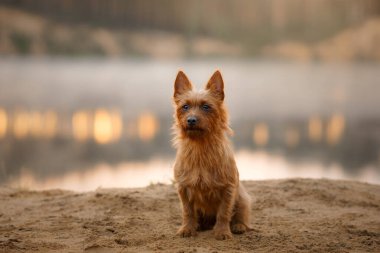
(199, 114)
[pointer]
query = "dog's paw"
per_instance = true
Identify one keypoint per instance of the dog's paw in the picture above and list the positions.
(238, 228)
(222, 234)
(187, 232)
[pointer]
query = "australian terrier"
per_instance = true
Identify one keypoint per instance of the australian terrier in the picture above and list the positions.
(205, 170)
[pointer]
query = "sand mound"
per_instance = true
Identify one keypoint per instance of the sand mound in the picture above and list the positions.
(287, 215)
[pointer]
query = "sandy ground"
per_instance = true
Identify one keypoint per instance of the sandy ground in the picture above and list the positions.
(296, 215)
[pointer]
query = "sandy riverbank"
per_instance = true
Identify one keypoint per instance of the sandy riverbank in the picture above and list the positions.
(301, 215)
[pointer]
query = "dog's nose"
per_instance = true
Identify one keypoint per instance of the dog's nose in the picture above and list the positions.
(191, 121)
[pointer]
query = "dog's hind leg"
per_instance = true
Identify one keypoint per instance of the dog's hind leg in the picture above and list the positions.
(242, 210)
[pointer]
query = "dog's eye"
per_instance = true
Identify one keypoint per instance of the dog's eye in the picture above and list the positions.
(185, 107)
(206, 107)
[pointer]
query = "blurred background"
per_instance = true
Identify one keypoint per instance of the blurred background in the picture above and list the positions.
(86, 87)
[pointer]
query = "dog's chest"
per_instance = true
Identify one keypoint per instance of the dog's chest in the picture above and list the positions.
(203, 194)
(201, 178)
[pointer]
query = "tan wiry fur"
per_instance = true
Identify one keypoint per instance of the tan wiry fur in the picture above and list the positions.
(205, 169)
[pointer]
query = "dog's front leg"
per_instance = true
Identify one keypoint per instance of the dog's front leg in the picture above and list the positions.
(189, 219)
(222, 226)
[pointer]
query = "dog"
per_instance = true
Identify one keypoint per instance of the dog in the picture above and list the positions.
(205, 170)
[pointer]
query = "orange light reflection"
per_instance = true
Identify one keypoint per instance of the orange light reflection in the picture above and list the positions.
(102, 126)
(315, 129)
(260, 134)
(292, 137)
(81, 124)
(20, 124)
(3, 122)
(147, 126)
(117, 125)
(50, 124)
(335, 129)
(36, 124)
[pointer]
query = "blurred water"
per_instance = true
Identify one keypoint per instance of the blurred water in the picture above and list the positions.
(64, 119)
(251, 165)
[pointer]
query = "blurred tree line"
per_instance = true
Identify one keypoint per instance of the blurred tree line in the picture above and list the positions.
(310, 20)
(252, 22)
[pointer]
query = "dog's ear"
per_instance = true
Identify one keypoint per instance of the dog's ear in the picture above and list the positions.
(216, 85)
(182, 84)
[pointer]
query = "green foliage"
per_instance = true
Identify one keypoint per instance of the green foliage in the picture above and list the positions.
(21, 42)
